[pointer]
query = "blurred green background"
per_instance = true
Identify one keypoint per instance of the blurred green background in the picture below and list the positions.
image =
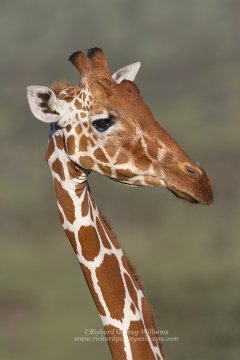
(188, 257)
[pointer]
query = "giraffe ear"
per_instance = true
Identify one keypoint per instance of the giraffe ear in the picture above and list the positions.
(128, 72)
(44, 104)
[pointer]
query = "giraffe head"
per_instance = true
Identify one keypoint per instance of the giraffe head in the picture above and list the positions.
(109, 129)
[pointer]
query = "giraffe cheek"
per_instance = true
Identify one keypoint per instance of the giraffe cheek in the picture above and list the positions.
(71, 145)
(122, 158)
(105, 170)
(99, 155)
(142, 163)
(78, 129)
(85, 143)
(86, 162)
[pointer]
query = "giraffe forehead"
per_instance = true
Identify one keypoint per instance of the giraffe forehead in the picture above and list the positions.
(78, 101)
(81, 93)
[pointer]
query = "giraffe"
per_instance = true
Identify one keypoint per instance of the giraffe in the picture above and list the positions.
(103, 125)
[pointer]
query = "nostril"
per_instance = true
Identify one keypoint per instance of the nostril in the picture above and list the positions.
(189, 170)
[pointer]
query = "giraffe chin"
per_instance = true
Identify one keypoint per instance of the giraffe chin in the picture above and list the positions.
(184, 196)
(190, 198)
(180, 194)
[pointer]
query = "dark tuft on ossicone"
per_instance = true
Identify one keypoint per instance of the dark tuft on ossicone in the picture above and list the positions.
(74, 55)
(91, 52)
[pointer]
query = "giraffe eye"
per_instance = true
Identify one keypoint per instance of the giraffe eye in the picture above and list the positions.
(104, 123)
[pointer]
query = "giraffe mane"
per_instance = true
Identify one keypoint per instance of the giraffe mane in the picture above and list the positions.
(134, 273)
(137, 279)
(58, 86)
(130, 265)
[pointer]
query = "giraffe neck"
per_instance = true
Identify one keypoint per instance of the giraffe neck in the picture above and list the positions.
(119, 298)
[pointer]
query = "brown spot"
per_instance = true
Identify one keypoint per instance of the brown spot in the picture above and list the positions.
(79, 188)
(142, 163)
(140, 346)
(102, 234)
(85, 205)
(71, 145)
(85, 124)
(108, 274)
(131, 271)
(106, 221)
(140, 158)
(94, 137)
(58, 168)
(106, 170)
(124, 174)
(69, 90)
(82, 114)
(74, 172)
(78, 129)
(131, 289)
(152, 147)
(68, 127)
(99, 154)
(111, 235)
(111, 149)
(62, 95)
(90, 98)
(61, 217)
(117, 347)
(89, 241)
(65, 201)
(137, 183)
(83, 144)
(84, 96)
(92, 199)
(60, 142)
(150, 180)
(133, 308)
(78, 104)
(90, 142)
(86, 162)
(149, 321)
(50, 149)
(69, 99)
(88, 278)
(71, 238)
(122, 158)
(91, 213)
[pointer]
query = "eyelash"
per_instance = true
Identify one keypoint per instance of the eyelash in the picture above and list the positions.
(104, 124)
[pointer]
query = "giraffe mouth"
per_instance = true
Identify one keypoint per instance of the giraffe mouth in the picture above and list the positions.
(159, 181)
(183, 195)
(180, 194)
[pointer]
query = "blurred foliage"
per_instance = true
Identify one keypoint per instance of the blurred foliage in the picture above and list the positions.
(187, 256)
